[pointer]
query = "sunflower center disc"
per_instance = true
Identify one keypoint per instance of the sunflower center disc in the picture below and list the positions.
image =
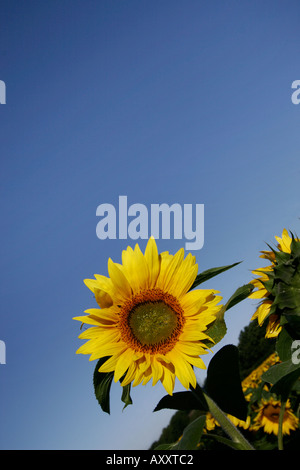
(152, 322)
(272, 412)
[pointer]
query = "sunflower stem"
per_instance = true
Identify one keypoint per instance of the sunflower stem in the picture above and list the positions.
(227, 425)
(280, 423)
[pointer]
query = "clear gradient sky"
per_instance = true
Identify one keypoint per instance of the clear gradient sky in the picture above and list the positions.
(162, 101)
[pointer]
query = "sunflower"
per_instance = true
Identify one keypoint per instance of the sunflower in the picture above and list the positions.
(253, 380)
(150, 325)
(239, 422)
(268, 417)
(211, 422)
(263, 312)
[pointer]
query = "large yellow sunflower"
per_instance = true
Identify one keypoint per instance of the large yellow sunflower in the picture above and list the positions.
(260, 292)
(268, 417)
(150, 324)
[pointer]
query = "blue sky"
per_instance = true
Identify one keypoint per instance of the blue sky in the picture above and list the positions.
(164, 102)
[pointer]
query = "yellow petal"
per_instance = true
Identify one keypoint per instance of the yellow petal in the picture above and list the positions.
(190, 348)
(168, 377)
(193, 300)
(119, 280)
(109, 314)
(130, 374)
(157, 371)
(183, 370)
(169, 269)
(123, 363)
(164, 260)
(259, 294)
(91, 284)
(103, 299)
(273, 328)
(263, 311)
(135, 269)
(111, 363)
(284, 242)
(184, 277)
(88, 320)
(153, 261)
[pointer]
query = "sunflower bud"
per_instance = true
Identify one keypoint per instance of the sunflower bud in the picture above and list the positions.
(279, 286)
(285, 288)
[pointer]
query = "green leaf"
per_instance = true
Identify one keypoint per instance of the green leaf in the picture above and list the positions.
(240, 294)
(166, 446)
(225, 441)
(102, 383)
(218, 328)
(184, 401)
(216, 331)
(284, 345)
(191, 435)
(210, 273)
(230, 429)
(282, 378)
(126, 398)
(223, 382)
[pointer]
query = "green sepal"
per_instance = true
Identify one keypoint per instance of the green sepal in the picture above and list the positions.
(284, 272)
(282, 257)
(295, 248)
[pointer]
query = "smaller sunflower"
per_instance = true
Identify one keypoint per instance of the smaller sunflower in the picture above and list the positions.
(253, 380)
(263, 287)
(239, 422)
(268, 417)
(211, 422)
